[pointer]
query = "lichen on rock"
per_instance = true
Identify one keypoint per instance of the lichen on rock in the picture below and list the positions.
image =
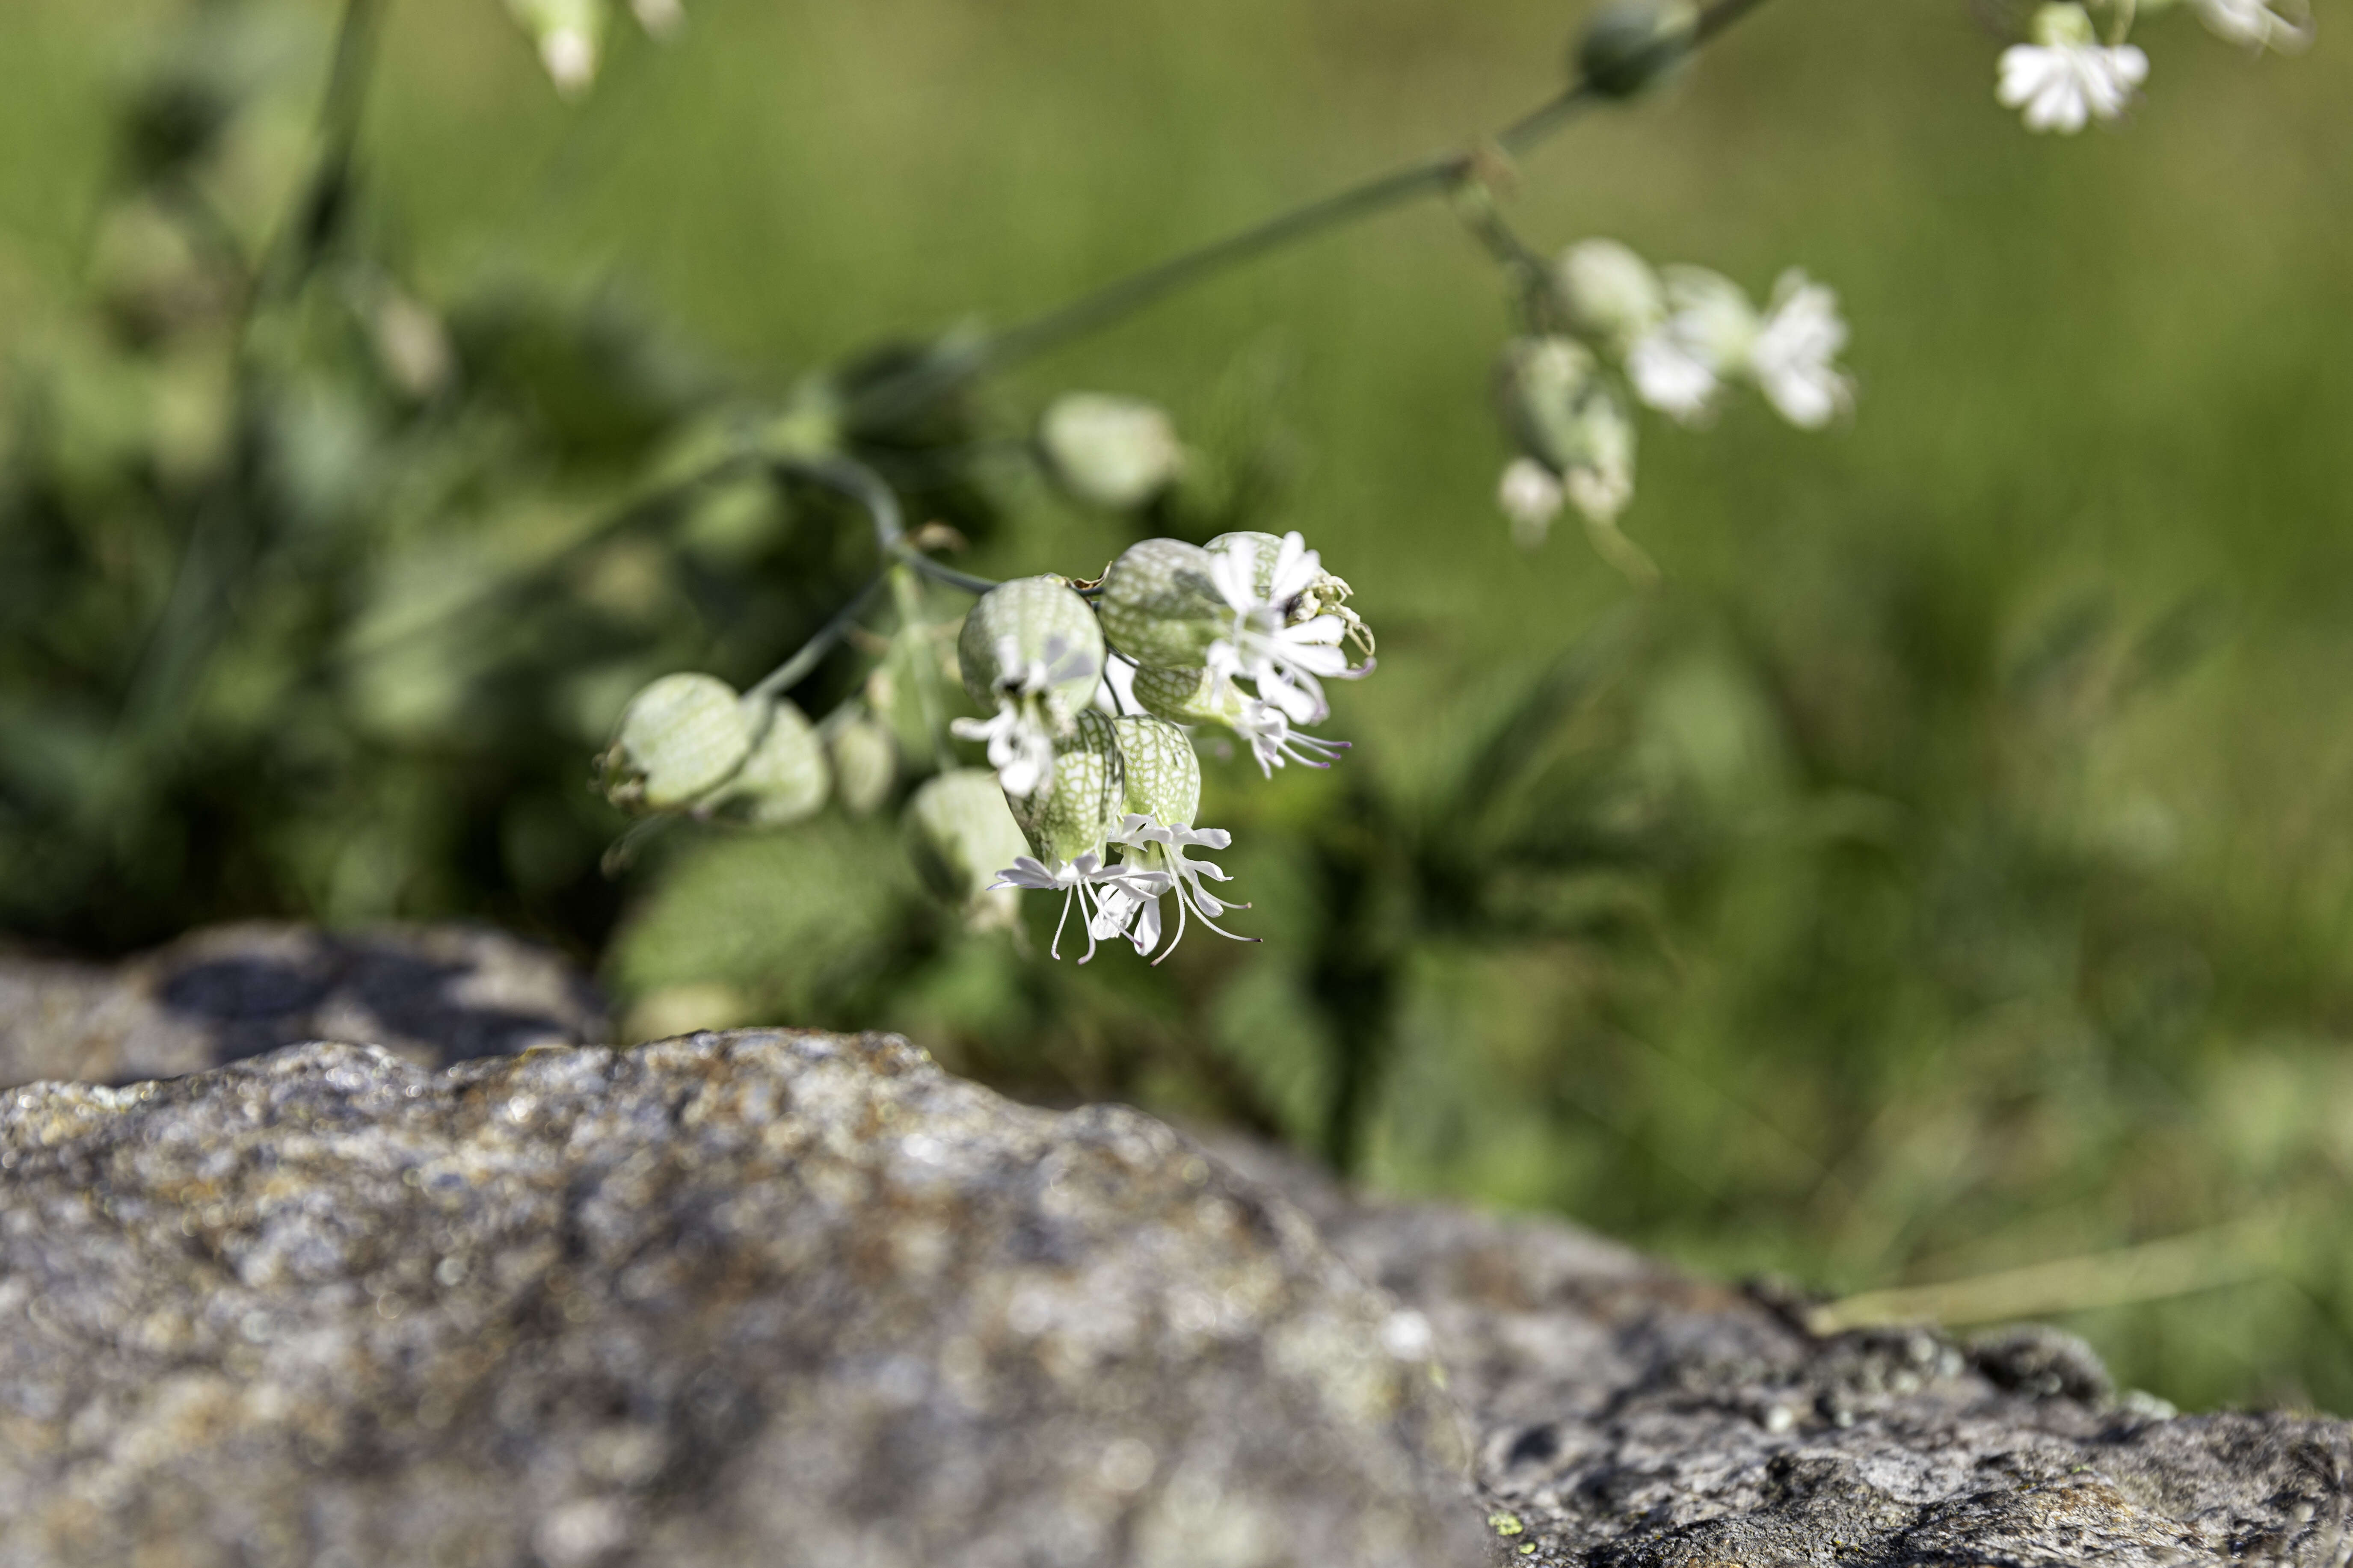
(768, 1297)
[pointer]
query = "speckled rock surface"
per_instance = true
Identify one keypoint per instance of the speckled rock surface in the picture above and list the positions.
(765, 1297)
(1629, 1415)
(433, 993)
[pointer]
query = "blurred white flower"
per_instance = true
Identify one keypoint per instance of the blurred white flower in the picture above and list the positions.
(2260, 24)
(1531, 497)
(1680, 367)
(1794, 356)
(659, 19)
(2067, 77)
(570, 56)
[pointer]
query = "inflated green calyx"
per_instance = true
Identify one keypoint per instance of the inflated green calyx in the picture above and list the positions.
(1083, 800)
(786, 777)
(959, 834)
(1159, 605)
(678, 739)
(1028, 625)
(1163, 775)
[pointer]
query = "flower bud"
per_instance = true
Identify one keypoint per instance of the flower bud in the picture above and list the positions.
(785, 780)
(1599, 480)
(959, 834)
(2062, 28)
(1530, 495)
(1570, 419)
(1163, 775)
(678, 740)
(1082, 799)
(1108, 451)
(865, 764)
(1609, 291)
(659, 19)
(1029, 628)
(569, 36)
(1160, 606)
(1542, 384)
(1325, 595)
(1631, 45)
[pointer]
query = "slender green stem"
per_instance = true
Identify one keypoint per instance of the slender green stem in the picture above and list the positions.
(1474, 204)
(320, 207)
(798, 668)
(1124, 297)
(652, 508)
(849, 478)
(925, 669)
(861, 484)
(1086, 314)
(222, 546)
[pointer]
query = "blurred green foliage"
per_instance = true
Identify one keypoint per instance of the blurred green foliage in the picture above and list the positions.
(1950, 869)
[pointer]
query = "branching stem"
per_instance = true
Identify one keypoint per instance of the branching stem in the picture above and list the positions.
(1124, 297)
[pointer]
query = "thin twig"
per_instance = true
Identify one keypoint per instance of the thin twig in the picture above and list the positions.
(796, 670)
(2203, 1261)
(1126, 296)
(318, 206)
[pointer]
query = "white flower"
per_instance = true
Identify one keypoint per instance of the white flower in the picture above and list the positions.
(1792, 358)
(1681, 367)
(1273, 742)
(1155, 861)
(570, 56)
(2066, 78)
(1286, 663)
(1018, 747)
(1020, 736)
(1092, 883)
(1531, 497)
(659, 19)
(2259, 24)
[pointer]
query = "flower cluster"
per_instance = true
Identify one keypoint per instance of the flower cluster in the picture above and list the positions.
(1241, 634)
(1130, 785)
(1677, 340)
(2069, 72)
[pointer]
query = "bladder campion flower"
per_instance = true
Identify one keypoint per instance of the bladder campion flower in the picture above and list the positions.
(1030, 649)
(1164, 794)
(2260, 24)
(2066, 78)
(1795, 353)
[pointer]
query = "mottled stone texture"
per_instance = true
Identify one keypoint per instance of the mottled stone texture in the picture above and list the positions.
(766, 1297)
(785, 1299)
(1629, 1415)
(435, 994)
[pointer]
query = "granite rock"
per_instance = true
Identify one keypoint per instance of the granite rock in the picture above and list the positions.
(784, 1298)
(768, 1298)
(1628, 1416)
(435, 994)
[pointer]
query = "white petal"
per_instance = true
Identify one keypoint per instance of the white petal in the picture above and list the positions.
(1670, 378)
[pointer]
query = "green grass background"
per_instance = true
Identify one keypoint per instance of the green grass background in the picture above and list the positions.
(2003, 907)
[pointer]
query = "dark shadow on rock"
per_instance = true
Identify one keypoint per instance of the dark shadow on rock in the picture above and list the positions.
(434, 995)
